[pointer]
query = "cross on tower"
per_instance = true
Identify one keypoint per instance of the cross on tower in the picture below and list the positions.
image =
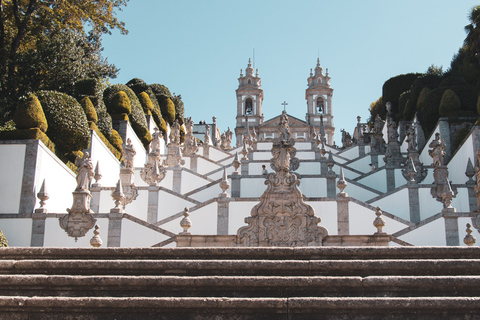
(284, 104)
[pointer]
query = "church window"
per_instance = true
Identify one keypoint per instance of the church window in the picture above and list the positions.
(248, 106)
(320, 105)
(249, 81)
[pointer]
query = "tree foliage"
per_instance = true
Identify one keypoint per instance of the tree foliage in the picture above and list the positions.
(31, 29)
(29, 114)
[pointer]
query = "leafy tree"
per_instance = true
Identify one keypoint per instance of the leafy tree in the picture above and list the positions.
(449, 104)
(24, 26)
(472, 40)
(377, 107)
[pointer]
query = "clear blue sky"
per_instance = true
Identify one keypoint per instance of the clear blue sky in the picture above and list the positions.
(197, 48)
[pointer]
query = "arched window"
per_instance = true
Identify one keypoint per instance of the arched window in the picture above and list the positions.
(248, 106)
(320, 105)
(249, 81)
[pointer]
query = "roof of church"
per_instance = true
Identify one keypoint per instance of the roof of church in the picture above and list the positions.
(292, 121)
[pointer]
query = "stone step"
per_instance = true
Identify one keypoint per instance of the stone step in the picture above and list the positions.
(239, 308)
(413, 267)
(234, 286)
(271, 253)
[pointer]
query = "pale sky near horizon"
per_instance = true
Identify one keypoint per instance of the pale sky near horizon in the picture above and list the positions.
(197, 48)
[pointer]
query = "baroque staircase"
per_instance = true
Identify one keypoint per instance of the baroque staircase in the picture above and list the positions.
(240, 283)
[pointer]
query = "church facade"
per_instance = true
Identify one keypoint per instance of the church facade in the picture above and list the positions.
(250, 120)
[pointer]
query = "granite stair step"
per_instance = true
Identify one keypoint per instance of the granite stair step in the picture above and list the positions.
(418, 267)
(234, 286)
(239, 308)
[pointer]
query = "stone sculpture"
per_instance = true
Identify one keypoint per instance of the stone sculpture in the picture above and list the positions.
(282, 218)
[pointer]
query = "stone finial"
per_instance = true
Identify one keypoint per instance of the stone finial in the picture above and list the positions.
(118, 196)
(185, 223)
(214, 119)
(96, 241)
(379, 222)
(236, 163)
(469, 239)
(447, 195)
(411, 171)
(330, 162)
(359, 119)
(97, 173)
(224, 185)
(470, 171)
(244, 150)
(43, 195)
(341, 184)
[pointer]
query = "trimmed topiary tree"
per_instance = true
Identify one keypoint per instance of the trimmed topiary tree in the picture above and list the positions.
(168, 108)
(146, 103)
(179, 108)
(67, 123)
(29, 114)
(402, 103)
(449, 104)
(160, 89)
(395, 86)
(136, 116)
(421, 98)
(119, 104)
(89, 109)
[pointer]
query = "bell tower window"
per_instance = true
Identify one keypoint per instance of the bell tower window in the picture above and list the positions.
(320, 106)
(248, 106)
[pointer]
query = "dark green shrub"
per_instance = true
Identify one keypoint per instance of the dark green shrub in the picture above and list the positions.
(67, 123)
(428, 116)
(421, 98)
(3, 240)
(160, 89)
(168, 108)
(430, 81)
(119, 104)
(459, 137)
(179, 108)
(87, 87)
(452, 81)
(478, 105)
(29, 114)
(116, 140)
(468, 98)
(137, 85)
(89, 109)
(146, 103)
(377, 107)
(395, 86)
(136, 117)
(449, 104)
(402, 106)
(104, 122)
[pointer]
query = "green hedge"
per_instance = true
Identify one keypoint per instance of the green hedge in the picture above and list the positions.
(430, 81)
(449, 104)
(67, 123)
(452, 81)
(29, 114)
(428, 116)
(136, 117)
(168, 108)
(160, 89)
(138, 86)
(179, 109)
(89, 109)
(146, 102)
(395, 86)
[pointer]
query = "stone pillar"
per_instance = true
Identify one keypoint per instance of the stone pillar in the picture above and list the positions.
(390, 178)
(152, 210)
(413, 201)
(95, 190)
(206, 150)
(193, 162)
(331, 188)
(451, 228)
(361, 149)
(343, 220)
(323, 167)
(121, 127)
(177, 179)
(244, 167)
(236, 177)
(374, 159)
(114, 228)
(27, 196)
(444, 128)
(222, 215)
(38, 228)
